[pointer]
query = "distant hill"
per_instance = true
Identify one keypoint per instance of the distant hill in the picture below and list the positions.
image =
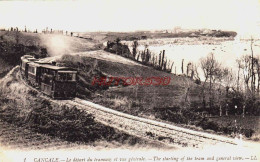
(138, 35)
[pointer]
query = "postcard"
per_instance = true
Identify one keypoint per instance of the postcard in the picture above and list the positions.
(129, 80)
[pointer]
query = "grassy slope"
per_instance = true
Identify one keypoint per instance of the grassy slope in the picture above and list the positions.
(149, 96)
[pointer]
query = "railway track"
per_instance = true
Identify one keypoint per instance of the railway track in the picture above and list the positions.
(149, 129)
(153, 130)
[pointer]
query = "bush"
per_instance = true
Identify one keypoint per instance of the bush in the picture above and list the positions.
(197, 81)
(118, 48)
(188, 116)
(247, 132)
(176, 115)
(205, 124)
(33, 93)
(70, 124)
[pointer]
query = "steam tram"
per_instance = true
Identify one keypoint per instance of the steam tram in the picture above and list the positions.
(54, 81)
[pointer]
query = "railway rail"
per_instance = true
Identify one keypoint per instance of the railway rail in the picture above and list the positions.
(146, 128)
(154, 130)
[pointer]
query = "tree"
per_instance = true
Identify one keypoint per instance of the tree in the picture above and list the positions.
(252, 67)
(118, 40)
(211, 69)
(196, 73)
(229, 82)
(135, 45)
(17, 37)
(182, 68)
(258, 74)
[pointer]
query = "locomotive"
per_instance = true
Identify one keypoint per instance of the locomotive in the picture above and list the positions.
(54, 81)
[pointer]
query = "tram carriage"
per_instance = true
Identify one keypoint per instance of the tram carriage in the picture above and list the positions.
(34, 74)
(24, 64)
(57, 82)
(24, 67)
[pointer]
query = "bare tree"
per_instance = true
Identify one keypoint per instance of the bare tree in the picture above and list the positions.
(182, 68)
(229, 81)
(189, 69)
(135, 45)
(252, 67)
(244, 65)
(211, 70)
(196, 73)
(17, 37)
(258, 75)
(238, 72)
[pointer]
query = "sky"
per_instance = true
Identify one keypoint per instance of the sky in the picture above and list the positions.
(242, 16)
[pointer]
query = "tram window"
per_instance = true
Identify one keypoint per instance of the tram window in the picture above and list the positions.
(69, 76)
(61, 76)
(31, 70)
(23, 65)
(66, 77)
(74, 77)
(58, 77)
